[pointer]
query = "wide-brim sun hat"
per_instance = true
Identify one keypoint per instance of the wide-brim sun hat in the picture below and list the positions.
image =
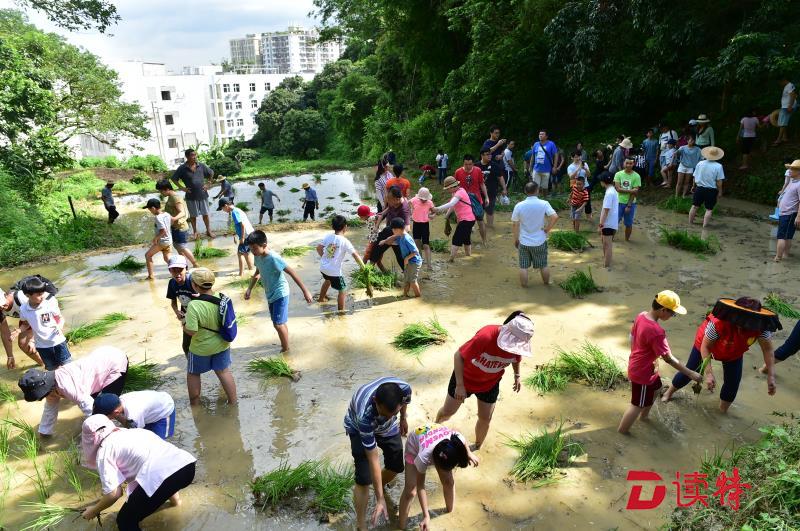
(626, 143)
(449, 182)
(703, 119)
(773, 117)
(712, 153)
(305, 186)
(746, 318)
(37, 384)
(793, 166)
(515, 336)
(424, 194)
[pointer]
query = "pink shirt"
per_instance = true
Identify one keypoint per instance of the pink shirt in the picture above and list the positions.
(790, 199)
(422, 441)
(422, 210)
(648, 343)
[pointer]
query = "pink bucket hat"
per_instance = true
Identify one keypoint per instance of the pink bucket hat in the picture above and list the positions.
(95, 429)
(515, 336)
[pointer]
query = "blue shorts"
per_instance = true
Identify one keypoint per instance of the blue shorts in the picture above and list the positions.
(179, 238)
(783, 117)
(786, 226)
(627, 218)
(54, 357)
(164, 428)
(216, 362)
(243, 248)
(279, 310)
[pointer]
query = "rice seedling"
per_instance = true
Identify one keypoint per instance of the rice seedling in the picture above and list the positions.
(6, 394)
(282, 482)
(356, 222)
(300, 250)
(328, 209)
(775, 303)
(97, 328)
(332, 488)
(579, 284)
(50, 466)
(698, 386)
(370, 276)
(416, 337)
(294, 190)
(30, 439)
(541, 455)
(280, 183)
(568, 241)
(681, 205)
(547, 378)
(202, 251)
(589, 364)
(272, 367)
(331, 485)
(342, 194)
(440, 246)
(39, 484)
(317, 177)
(283, 212)
(5, 433)
(128, 264)
(143, 375)
(681, 239)
(242, 283)
(70, 461)
(243, 206)
(49, 515)
(282, 220)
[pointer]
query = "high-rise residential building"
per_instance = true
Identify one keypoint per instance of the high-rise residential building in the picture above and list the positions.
(294, 51)
(247, 51)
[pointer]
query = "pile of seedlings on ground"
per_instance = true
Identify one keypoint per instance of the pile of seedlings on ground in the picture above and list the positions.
(580, 283)
(681, 239)
(128, 264)
(416, 337)
(558, 203)
(586, 364)
(143, 375)
(370, 277)
(243, 283)
(772, 500)
(202, 251)
(272, 367)
(541, 456)
(97, 328)
(294, 190)
(774, 302)
(300, 250)
(280, 183)
(312, 485)
(568, 241)
(440, 246)
(48, 515)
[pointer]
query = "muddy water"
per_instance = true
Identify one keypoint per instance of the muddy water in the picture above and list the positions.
(284, 421)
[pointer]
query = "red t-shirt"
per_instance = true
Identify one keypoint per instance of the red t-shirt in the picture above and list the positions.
(471, 182)
(484, 361)
(648, 343)
(399, 182)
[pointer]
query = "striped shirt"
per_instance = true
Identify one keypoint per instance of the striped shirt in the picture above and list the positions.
(578, 197)
(362, 417)
(712, 334)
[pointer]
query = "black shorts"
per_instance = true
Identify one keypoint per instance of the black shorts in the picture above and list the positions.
(265, 210)
(492, 191)
(644, 395)
(337, 283)
(463, 233)
(747, 144)
(705, 196)
(421, 231)
(490, 396)
(608, 232)
(392, 456)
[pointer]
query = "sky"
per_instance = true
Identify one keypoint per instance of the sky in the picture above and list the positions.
(181, 32)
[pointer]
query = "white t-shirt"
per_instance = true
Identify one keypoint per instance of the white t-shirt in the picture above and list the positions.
(707, 173)
(749, 125)
(665, 137)
(786, 97)
(146, 407)
(140, 457)
(164, 221)
(44, 322)
(507, 155)
(582, 173)
(531, 214)
(420, 444)
(611, 202)
(335, 249)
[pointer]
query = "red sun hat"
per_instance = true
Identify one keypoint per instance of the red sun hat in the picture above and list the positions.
(364, 211)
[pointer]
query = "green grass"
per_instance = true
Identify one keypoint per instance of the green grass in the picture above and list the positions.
(269, 166)
(558, 203)
(371, 276)
(300, 250)
(579, 284)
(681, 239)
(128, 264)
(440, 246)
(5, 434)
(588, 364)
(356, 222)
(6, 394)
(568, 241)
(48, 515)
(203, 251)
(541, 455)
(416, 337)
(774, 302)
(245, 207)
(271, 367)
(29, 437)
(681, 205)
(96, 328)
(329, 485)
(143, 375)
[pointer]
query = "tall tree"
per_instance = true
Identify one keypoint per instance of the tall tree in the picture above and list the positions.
(76, 14)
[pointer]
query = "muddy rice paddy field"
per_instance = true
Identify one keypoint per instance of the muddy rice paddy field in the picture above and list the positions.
(283, 421)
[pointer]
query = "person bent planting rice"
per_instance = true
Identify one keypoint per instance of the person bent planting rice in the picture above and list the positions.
(725, 335)
(479, 365)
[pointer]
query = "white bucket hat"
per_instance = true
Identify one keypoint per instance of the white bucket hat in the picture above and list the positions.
(515, 336)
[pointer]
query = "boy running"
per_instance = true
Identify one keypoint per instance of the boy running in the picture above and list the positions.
(332, 251)
(162, 240)
(412, 261)
(267, 205)
(242, 227)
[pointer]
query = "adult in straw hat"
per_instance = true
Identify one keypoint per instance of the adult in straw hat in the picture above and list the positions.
(705, 133)
(787, 211)
(618, 157)
(708, 177)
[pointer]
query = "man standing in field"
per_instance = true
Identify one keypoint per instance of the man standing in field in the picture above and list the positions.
(191, 178)
(545, 161)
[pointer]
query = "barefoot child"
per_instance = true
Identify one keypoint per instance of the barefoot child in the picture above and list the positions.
(242, 227)
(578, 198)
(609, 222)
(412, 261)
(267, 205)
(270, 268)
(445, 449)
(421, 212)
(332, 252)
(163, 238)
(648, 344)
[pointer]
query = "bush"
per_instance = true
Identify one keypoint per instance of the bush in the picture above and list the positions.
(301, 131)
(247, 155)
(225, 166)
(141, 178)
(150, 163)
(111, 162)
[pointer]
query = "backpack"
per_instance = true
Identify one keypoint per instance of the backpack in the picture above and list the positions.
(475, 203)
(227, 316)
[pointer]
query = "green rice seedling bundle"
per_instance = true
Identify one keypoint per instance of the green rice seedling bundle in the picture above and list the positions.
(283, 212)
(591, 365)
(356, 222)
(29, 437)
(775, 303)
(272, 367)
(96, 328)
(540, 456)
(202, 251)
(299, 250)
(328, 209)
(698, 386)
(681, 205)
(69, 469)
(275, 486)
(681, 239)
(243, 206)
(332, 488)
(342, 194)
(440, 246)
(568, 241)
(416, 337)
(143, 375)
(371, 276)
(128, 264)
(280, 183)
(5, 434)
(579, 284)
(331, 485)
(50, 466)
(242, 283)
(294, 190)
(547, 378)
(6, 394)
(48, 515)
(317, 177)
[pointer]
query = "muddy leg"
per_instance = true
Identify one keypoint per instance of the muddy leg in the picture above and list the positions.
(707, 218)
(449, 409)
(409, 493)
(228, 385)
(485, 411)
(468, 250)
(148, 258)
(628, 418)
(193, 385)
(667, 396)
(523, 277)
(340, 300)
(323, 291)
(607, 250)
(360, 500)
(283, 335)
(187, 253)
(208, 226)
(545, 272)
(453, 252)
(482, 230)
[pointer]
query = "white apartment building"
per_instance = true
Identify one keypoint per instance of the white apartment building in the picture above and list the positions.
(246, 51)
(294, 51)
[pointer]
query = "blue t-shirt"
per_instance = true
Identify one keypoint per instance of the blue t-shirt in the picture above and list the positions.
(544, 156)
(274, 281)
(237, 222)
(689, 156)
(650, 147)
(407, 246)
(311, 195)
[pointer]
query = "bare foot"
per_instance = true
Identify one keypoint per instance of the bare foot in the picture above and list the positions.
(153, 278)
(666, 397)
(175, 500)
(323, 299)
(208, 233)
(763, 369)
(776, 259)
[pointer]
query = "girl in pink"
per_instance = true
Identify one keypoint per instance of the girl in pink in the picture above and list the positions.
(421, 212)
(445, 449)
(79, 381)
(462, 206)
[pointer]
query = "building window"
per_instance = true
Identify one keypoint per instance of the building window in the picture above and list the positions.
(238, 104)
(267, 86)
(226, 88)
(228, 106)
(240, 122)
(254, 104)
(252, 87)
(165, 95)
(229, 123)
(173, 143)
(236, 87)
(255, 121)
(169, 119)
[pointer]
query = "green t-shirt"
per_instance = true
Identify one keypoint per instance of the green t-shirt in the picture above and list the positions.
(199, 316)
(627, 182)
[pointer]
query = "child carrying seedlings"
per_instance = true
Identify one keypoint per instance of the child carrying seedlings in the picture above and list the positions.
(412, 261)
(242, 228)
(578, 198)
(150, 410)
(648, 344)
(332, 251)
(421, 212)
(267, 205)
(270, 268)
(41, 314)
(443, 448)
(162, 241)
(180, 290)
(102, 371)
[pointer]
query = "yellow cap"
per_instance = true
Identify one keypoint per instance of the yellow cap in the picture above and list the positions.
(203, 277)
(670, 300)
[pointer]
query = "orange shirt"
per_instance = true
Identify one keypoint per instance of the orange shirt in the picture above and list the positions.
(400, 182)
(578, 197)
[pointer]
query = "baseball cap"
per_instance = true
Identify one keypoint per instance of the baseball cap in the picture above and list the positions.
(177, 262)
(222, 202)
(203, 277)
(36, 384)
(152, 203)
(672, 142)
(105, 403)
(364, 211)
(670, 300)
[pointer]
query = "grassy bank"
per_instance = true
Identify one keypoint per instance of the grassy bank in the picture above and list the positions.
(269, 166)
